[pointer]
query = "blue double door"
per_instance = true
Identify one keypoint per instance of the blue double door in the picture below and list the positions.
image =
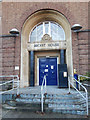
(48, 66)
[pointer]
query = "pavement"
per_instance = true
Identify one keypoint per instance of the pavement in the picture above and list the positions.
(12, 114)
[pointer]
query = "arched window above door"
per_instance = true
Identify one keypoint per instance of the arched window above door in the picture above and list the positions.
(54, 30)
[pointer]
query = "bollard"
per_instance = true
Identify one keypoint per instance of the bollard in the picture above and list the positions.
(76, 77)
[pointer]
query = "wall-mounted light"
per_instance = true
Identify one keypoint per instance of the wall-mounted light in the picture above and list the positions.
(13, 33)
(77, 27)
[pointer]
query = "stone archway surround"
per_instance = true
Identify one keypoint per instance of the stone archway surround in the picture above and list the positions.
(40, 16)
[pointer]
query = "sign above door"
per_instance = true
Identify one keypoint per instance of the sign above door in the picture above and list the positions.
(46, 46)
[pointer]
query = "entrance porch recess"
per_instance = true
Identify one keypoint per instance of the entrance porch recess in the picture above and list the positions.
(46, 42)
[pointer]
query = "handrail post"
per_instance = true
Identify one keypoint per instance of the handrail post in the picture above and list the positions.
(79, 81)
(17, 85)
(45, 84)
(42, 102)
(87, 102)
(69, 84)
(13, 82)
(43, 90)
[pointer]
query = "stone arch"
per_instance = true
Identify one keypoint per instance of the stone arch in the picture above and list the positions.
(40, 16)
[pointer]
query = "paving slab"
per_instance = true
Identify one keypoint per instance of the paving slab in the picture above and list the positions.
(38, 114)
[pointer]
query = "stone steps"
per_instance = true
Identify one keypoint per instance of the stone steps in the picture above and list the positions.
(61, 102)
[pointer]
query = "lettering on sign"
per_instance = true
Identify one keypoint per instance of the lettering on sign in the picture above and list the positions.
(51, 45)
(44, 45)
(39, 45)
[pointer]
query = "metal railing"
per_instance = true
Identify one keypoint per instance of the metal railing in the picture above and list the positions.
(43, 91)
(14, 83)
(79, 76)
(84, 97)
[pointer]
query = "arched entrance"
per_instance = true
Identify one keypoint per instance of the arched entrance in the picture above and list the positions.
(47, 47)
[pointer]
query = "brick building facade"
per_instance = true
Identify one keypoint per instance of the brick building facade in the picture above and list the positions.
(16, 14)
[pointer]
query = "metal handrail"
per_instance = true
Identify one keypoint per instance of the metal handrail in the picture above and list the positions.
(82, 76)
(13, 82)
(43, 86)
(86, 98)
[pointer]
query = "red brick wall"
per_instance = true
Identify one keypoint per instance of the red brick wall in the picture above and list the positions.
(15, 14)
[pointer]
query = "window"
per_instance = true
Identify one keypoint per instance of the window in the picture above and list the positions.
(53, 29)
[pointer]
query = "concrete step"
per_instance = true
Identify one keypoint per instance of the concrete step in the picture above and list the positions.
(65, 102)
(22, 104)
(71, 96)
(66, 106)
(30, 95)
(28, 100)
(20, 108)
(64, 99)
(66, 111)
(8, 107)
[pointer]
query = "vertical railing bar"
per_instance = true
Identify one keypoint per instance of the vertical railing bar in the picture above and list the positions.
(79, 81)
(45, 84)
(42, 91)
(42, 103)
(13, 82)
(69, 85)
(17, 85)
(87, 102)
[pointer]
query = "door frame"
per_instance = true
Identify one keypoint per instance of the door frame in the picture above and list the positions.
(33, 19)
(38, 67)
